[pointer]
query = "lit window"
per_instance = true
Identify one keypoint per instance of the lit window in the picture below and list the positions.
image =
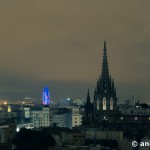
(97, 104)
(121, 118)
(111, 103)
(136, 118)
(104, 103)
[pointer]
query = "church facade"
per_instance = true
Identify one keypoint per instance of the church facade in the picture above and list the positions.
(105, 99)
(103, 111)
(104, 105)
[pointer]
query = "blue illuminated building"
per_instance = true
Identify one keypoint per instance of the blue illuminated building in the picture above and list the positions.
(46, 96)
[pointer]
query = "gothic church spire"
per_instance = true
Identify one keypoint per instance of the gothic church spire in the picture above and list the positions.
(105, 70)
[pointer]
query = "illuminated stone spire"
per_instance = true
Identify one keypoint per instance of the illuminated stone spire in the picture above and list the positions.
(105, 70)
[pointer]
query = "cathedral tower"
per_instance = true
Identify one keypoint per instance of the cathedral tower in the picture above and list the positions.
(104, 105)
(105, 99)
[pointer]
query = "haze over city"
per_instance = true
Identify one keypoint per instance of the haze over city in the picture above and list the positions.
(59, 44)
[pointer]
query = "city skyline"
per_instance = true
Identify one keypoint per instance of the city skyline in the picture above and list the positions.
(60, 45)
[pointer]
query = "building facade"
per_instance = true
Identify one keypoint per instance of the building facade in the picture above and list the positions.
(76, 117)
(7, 115)
(40, 116)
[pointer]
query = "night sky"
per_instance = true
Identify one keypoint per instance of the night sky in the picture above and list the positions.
(59, 44)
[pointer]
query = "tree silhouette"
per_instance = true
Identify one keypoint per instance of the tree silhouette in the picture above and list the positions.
(33, 140)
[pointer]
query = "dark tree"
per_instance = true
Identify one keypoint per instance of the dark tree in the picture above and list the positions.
(33, 140)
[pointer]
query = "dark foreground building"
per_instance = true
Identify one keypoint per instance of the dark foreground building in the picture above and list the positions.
(103, 111)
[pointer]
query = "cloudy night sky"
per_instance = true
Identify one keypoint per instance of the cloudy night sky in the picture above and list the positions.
(59, 44)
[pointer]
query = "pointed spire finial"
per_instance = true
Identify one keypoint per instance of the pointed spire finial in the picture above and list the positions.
(104, 45)
(105, 70)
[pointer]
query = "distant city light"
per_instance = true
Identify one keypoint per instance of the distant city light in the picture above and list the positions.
(68, 99)
(17, 129)
(9, 109)
(5, 103)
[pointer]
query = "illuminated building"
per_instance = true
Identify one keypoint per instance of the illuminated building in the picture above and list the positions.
(39, 115)
(9, 109)
(46, 96)
(76, 117)
(29, 101)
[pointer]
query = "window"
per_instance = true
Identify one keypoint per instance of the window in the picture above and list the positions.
(104, 103)
(136, 118)
(97, 104)
(121, 118)
(111, 103)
